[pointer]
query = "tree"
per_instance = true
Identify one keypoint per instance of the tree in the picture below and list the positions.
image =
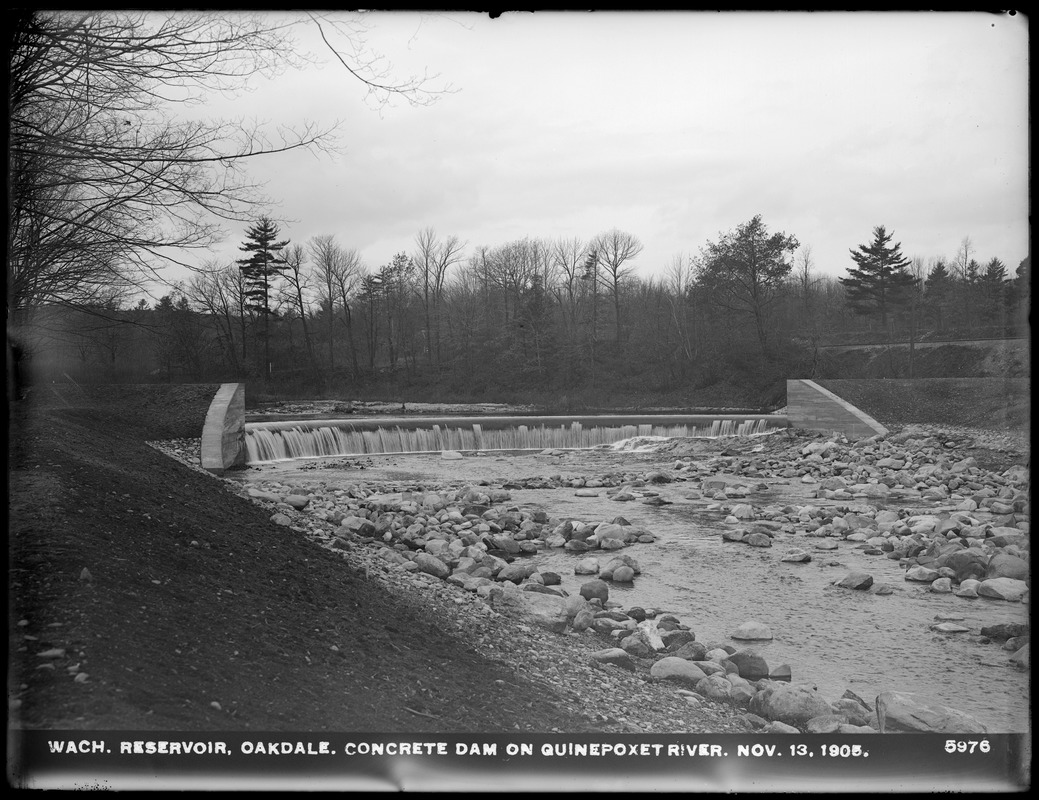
(433, 257)
(297, 280)
(744, 272)
(105, 181)
(806, 283)
(219, 292)
(337, 272)
(938, 293)
(613, 250)
(881, 283)
(259, 271)
(993, 286)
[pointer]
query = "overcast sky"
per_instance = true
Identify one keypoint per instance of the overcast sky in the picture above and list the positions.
(674, 127)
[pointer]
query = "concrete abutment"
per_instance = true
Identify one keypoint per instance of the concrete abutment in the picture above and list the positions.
(223, 434)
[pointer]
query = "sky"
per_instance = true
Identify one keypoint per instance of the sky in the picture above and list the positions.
(675, 127)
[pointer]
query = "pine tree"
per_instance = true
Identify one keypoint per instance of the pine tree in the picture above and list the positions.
(260, 270)
(938, 294)
(994, 286)
(882, 283)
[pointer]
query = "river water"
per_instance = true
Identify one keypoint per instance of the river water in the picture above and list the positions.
(833, 638)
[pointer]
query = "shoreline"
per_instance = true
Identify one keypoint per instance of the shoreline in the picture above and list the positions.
(739, 719)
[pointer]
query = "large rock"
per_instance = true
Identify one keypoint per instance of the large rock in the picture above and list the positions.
(752, 630)
(545, 610)
(614, 655)
(297, 501)
(793, 704)
(1005, 565)
(608, 530)
(716, 687)
(1005, 630)
(648, 630)
(691, 651)
(749, 664)
(902, 711)
(677, 669)
(965, 563)
(1003, 589)
(516, 573)
(855, 580)
(431, 565)
(595, 589)
(922, 574)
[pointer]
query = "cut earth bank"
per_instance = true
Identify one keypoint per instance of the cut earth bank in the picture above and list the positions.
(807, 583)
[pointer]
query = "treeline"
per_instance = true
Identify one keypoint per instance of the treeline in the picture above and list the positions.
(564, 322)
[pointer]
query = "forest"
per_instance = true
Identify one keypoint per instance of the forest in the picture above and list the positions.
(112, 190)
(565, 323)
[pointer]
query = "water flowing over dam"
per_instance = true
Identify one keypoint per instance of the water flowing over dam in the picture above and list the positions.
(281, 441)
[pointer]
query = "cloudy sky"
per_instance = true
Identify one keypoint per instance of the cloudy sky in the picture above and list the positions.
(674, 127)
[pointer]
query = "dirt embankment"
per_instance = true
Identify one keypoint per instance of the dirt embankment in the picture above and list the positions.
(143, 595)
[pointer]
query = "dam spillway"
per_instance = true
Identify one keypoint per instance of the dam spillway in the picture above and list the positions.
(288, 440)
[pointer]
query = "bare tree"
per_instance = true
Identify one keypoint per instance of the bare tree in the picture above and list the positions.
(614, 249)
(432, 258)
(105, 180)
(219, 293)
(297, 287)
(566, 286)
(962, 270)
(677, 288)
(338, 272)
(804, 278)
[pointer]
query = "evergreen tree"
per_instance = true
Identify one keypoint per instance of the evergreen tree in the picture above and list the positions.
(938, 294)
(259, 271)
(882, 283)
(1021, 294)
(993, 286)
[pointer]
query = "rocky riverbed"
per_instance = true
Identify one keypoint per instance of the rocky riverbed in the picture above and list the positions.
(548, 554)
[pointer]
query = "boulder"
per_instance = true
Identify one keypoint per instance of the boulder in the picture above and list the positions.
(691, 651)
(595, 590)
(1005, 630)
(716, 687)
(855, 580)
(793, 704)
(624, 574)
(911, 713)
(1004, 565)
(615, 656)
(752, 630)
(545, 610)
(677, 669)
(749, 665)
(431, 565)
(1003, 589)
(965, 564)
(610, 531)
(922, 574)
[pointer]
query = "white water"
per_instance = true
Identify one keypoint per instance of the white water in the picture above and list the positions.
(266, 443)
